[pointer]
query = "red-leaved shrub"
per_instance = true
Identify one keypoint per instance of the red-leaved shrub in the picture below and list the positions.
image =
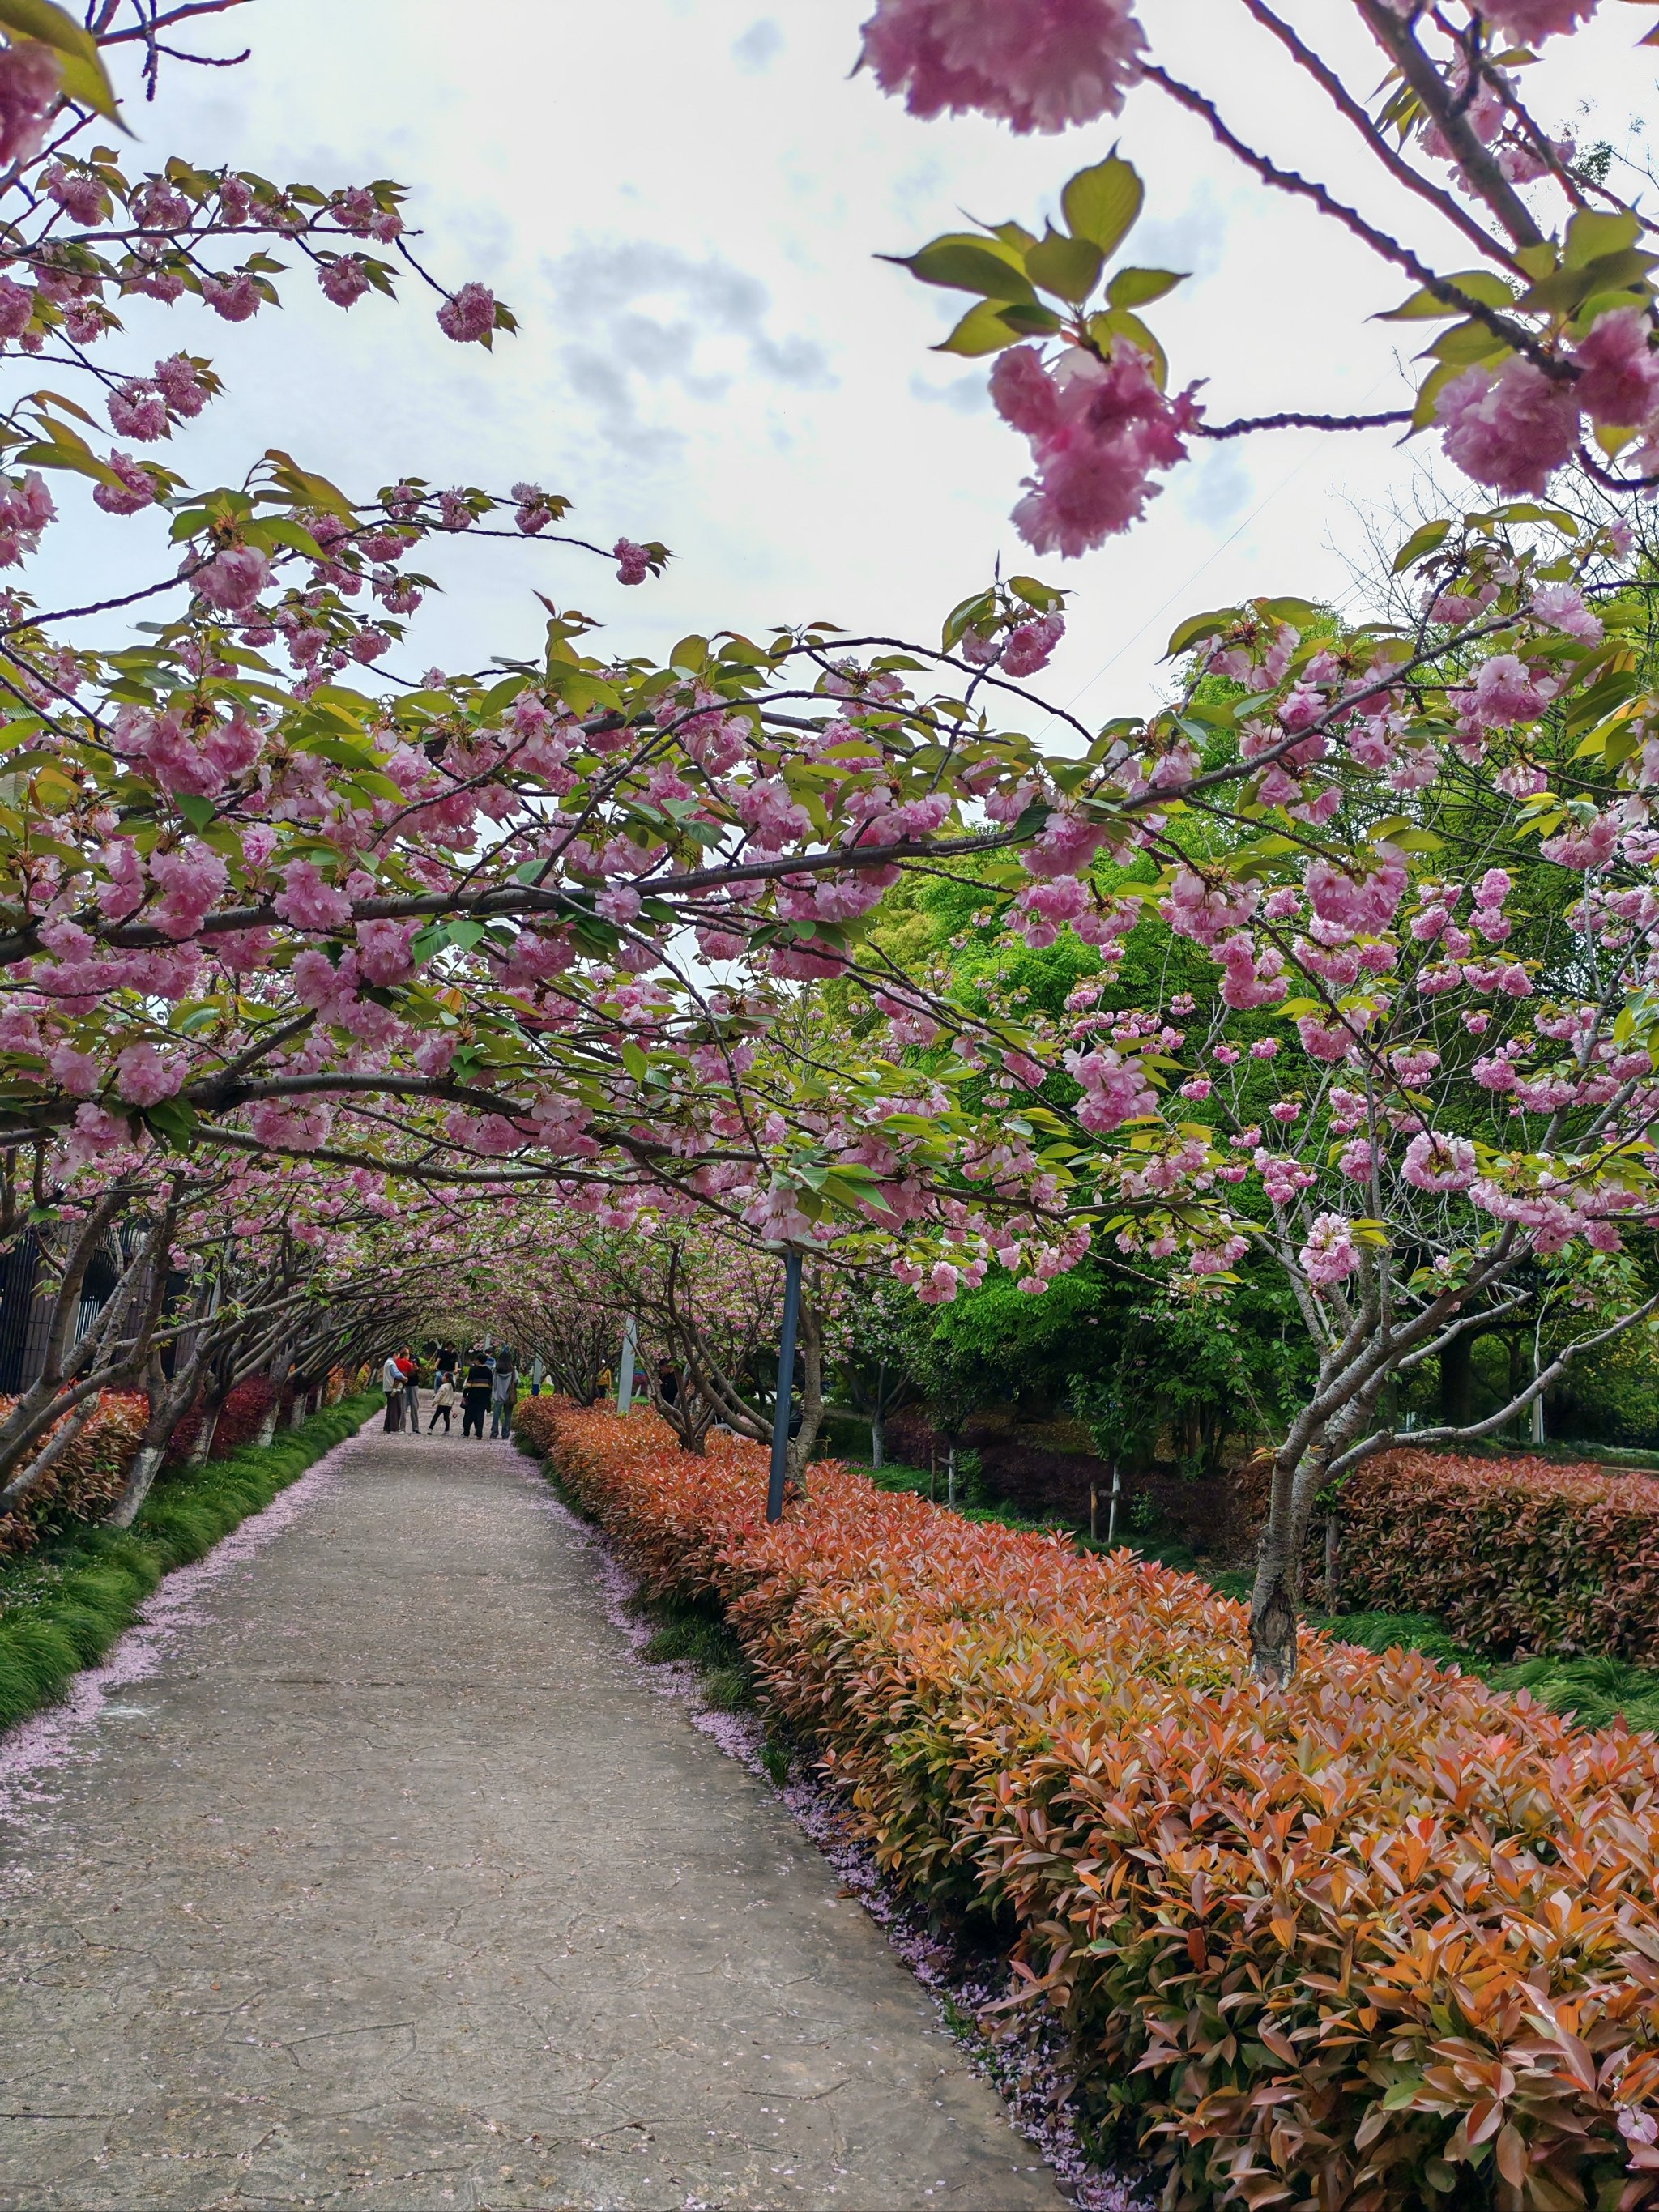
(239, 1421)
(87, 1480)
(1515, 1555)
(1386, 1940)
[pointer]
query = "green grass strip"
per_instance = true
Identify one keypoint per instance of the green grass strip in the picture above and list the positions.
(64, 1605)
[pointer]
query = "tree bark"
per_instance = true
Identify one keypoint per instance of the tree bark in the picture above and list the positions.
(140, 1475)
(812, 1394)
(1457, 1380)
(202, 1450)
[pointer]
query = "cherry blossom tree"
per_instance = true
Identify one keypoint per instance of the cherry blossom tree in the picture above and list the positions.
(555, 927)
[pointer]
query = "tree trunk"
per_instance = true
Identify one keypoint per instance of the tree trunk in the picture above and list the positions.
(1457, 1381)
(202, 1449)
(268, 1423)
(1333, 1546)
(140, 1475)
(1276, 1600)
(811, 1395)
(878, 1438)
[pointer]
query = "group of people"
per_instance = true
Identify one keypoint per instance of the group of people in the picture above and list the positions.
(486, 1381)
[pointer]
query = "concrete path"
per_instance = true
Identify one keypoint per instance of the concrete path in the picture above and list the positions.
(395, 1886)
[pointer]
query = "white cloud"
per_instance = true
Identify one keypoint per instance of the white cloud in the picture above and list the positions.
(711, 354)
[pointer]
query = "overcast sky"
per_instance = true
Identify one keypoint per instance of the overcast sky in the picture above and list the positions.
(682, 200)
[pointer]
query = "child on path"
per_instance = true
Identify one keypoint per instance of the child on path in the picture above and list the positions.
(442, 1399)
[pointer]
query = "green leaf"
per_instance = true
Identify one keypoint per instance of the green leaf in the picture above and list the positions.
(1030, 319)
(1101, 204)
(961, 263)
(174, 1121)
(1068, 267)
(198, 812)
(1465, 343)
(83, 74)
(466, 934)
(1425, 540)
(1429, 392)
(1569, 288)
(1134, 288)
(1118, 323)
(634, 1060)
(1481, 284)
(1592, 237)
(1198, 626)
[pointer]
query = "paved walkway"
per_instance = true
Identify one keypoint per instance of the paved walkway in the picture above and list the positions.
(395, 1886)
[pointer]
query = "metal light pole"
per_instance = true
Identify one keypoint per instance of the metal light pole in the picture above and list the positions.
(785, 1385)
(625, 1375)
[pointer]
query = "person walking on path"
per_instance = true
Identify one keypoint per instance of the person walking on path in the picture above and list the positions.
(475, 1397)
(391, 1382)
(443, 1398)
(503, 1392)
(411, 1374)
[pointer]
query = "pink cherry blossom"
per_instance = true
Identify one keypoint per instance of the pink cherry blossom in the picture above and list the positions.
(77, 1071)
(1437, 1163)
(235, 298)
(232, 580)
(1367, 902)
(30, 80)
(468, 315)
(136, 490)
(1504, 691)
(1096, 436)
(1330, 1255)
(180, 380)
(1030, 645)
(194, 879)
(79, 195)
(634, 562)
(16, 309)
(1510, 427)
(145, 1075)
(308, 902)
(1036, 64)
(1619, 382)
(1533, 21)
(1562, 607)
(139, 410)
(344, 280)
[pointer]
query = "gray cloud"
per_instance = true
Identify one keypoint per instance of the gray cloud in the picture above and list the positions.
(963, 395)
(758, 47)
(637, 315)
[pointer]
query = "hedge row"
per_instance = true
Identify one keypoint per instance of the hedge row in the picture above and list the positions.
(61, 1609)
(88, 1480)
(1516, 1556)
(1388, 1940)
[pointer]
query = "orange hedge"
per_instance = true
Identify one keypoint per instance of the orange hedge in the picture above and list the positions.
(88, 1480)
(1387, 1940)
(1521, 1555)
